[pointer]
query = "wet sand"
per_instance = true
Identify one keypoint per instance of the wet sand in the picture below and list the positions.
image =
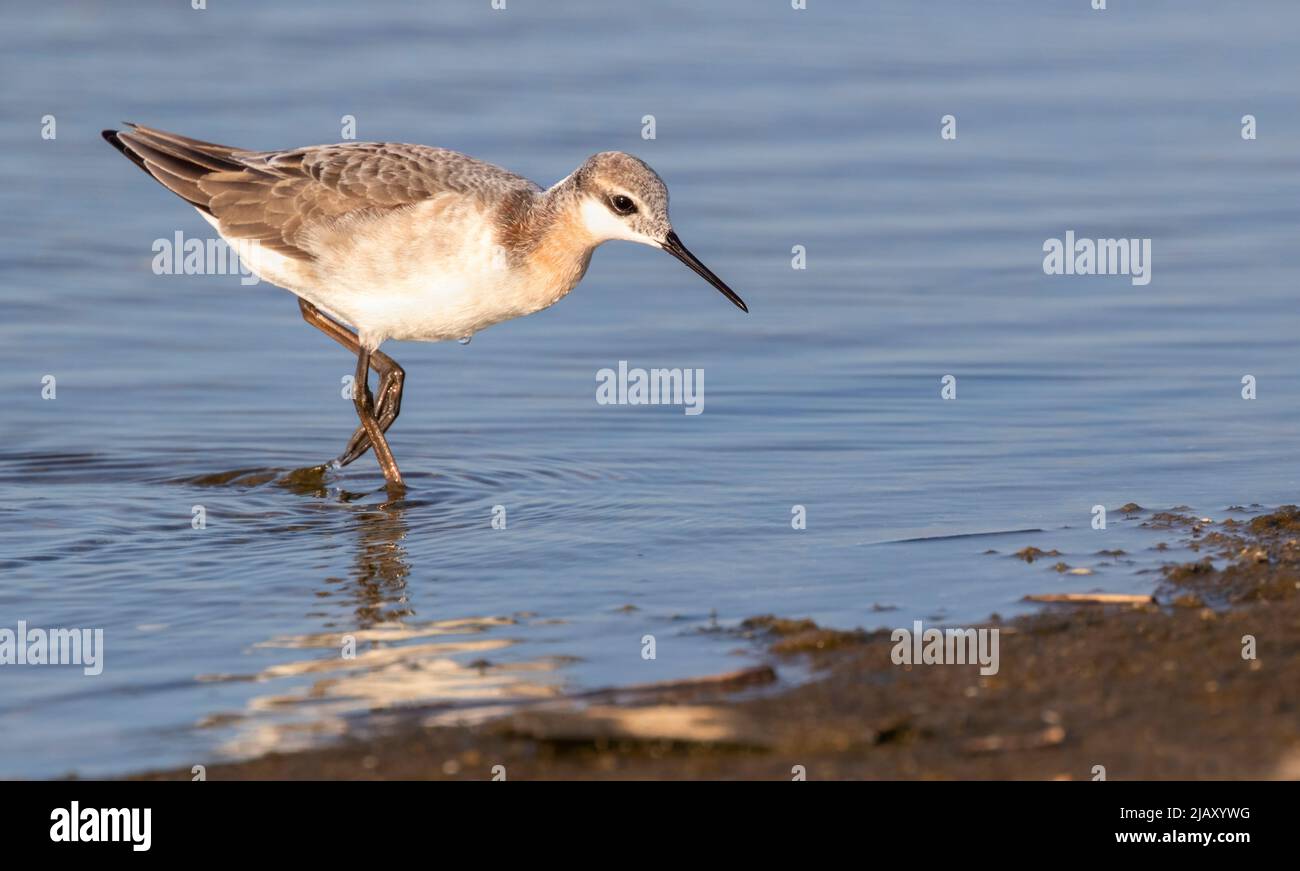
(1154, 690)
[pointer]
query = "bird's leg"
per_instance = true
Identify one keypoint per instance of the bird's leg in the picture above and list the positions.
(365, 404)
(391, 377)
(390, 385)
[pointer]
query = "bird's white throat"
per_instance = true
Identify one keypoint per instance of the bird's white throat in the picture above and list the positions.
(605, 226)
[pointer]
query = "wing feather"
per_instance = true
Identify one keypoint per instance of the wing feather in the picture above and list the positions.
(285, 199)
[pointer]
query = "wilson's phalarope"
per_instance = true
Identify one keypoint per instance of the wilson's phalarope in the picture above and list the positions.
(407, 241)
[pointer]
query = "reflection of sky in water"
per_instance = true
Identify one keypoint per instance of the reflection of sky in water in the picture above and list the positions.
(414, 672)
(774, 128)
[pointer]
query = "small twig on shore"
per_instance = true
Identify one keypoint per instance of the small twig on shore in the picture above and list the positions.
(1094, 598)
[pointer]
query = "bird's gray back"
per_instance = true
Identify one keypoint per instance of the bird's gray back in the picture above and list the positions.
(390, 173)
(286, 199)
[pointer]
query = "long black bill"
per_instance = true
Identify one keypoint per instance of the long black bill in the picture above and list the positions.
(674, 246)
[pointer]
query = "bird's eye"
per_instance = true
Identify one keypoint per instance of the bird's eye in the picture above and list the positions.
(621, 204)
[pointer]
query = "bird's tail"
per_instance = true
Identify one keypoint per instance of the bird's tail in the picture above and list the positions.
(174, 161)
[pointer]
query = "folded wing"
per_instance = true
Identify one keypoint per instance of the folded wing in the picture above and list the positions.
(285, 199)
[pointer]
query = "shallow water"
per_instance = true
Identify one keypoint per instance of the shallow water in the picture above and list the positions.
(774, 128)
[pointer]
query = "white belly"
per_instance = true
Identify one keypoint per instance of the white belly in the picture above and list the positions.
(431, 273)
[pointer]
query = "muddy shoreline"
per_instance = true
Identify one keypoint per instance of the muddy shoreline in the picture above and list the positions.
(1203, 682)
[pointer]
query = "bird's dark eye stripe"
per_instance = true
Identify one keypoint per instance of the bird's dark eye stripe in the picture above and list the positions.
(621, 204)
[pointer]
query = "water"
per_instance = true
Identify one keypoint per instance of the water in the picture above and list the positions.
(774, 128)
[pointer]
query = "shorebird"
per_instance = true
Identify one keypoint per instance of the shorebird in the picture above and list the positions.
(408, 242)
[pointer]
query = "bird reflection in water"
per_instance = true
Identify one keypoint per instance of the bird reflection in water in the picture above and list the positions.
(379, 657)
(380, 567)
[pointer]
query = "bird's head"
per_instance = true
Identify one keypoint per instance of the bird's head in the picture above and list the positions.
(620, 197)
